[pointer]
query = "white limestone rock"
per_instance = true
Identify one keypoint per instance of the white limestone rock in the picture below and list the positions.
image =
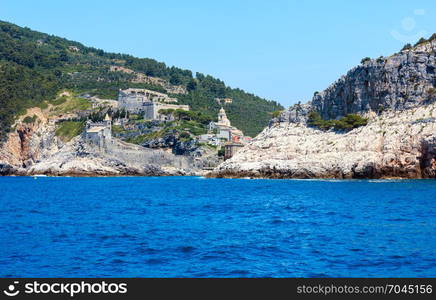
(400, 144)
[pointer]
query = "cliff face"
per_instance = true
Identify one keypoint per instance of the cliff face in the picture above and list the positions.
(28, 142)
(46, 154)
(401, 81)
(78, 158)
(398, 96)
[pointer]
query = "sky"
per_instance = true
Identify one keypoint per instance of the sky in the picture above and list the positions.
(280, 50)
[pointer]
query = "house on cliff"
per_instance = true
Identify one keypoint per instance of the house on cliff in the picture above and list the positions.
(99, 133)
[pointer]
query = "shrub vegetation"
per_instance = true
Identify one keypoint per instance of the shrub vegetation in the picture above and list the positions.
(345, 123)
(69, 129)
(35, 66)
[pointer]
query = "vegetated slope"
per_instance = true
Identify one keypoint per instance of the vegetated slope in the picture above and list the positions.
(34, 66)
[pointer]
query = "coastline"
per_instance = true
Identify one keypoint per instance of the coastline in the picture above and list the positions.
(90, 174)
(232, 175)
(262, 174)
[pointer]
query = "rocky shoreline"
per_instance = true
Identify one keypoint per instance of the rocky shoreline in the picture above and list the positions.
(287, 174)
(34, 149)
(395, 144)
(397, 96)
(7, 170)
(71, 162)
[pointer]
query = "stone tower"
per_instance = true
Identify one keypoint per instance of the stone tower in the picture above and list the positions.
(108, 127)
(222, 118)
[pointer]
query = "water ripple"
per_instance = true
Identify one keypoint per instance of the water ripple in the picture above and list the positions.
(196, 227)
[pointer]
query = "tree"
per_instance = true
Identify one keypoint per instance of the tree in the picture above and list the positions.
(35, 65)
(192, 85)
(175, 79)
(63, 56)
(184, 135)
(181, 114)
(421, 41)
(406, 47)
(380, 59)
(348, 122)
(276, 113)
(365, 60)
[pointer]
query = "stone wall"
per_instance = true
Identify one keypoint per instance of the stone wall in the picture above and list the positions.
(149, 102)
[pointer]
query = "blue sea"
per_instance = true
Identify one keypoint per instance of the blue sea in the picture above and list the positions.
(196, 227)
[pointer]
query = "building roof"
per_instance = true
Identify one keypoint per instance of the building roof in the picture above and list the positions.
(95, 129)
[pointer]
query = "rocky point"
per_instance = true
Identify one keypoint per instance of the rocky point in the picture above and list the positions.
(397, 94)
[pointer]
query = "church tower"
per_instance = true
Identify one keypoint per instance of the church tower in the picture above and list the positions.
(107, 132)
(222, 118)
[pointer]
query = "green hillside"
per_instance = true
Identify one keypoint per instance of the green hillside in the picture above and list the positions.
(34, 66)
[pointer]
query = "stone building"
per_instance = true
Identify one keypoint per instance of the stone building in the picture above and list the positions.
(73, 48)
(224, 100)
(223, 128)
(223, 134)
(211, 139)
(231, 148)
(99, 133)
(147, 102)
(222, 118)
(151, 110)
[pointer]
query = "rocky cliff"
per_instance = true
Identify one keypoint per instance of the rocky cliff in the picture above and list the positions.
(397, 94)
(401, 81)
(394, 144)
(79, 158)
(33, 148)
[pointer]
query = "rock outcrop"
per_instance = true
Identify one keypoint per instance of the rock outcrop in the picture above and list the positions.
(393, 145)
(34, 148)
(27, 141)
(79, 158)
(397, 94)
(401, 81)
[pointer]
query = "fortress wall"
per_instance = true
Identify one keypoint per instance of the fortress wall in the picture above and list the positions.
(139, 156)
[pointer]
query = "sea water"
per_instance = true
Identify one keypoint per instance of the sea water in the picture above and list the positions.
(196, 227)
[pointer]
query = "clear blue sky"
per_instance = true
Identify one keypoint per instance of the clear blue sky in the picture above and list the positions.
(280, 50)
